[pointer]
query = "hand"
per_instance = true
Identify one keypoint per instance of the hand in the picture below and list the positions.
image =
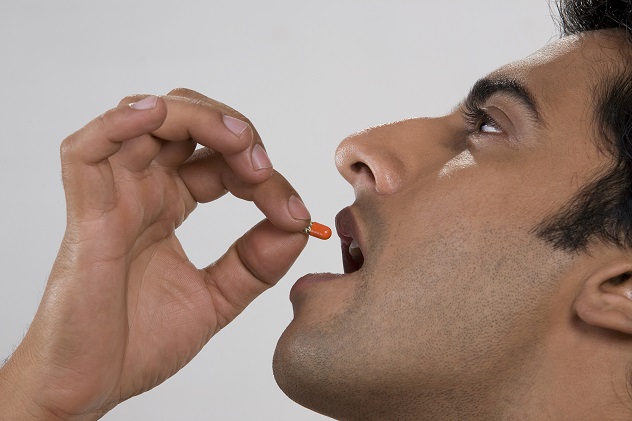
(124, 309)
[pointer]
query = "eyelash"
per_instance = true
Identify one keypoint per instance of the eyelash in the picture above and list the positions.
(475, 116)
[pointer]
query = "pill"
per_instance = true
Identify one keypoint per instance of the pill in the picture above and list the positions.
(318, 230)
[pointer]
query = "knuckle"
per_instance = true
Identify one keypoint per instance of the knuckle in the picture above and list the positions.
(199, 103)
(66, 147)
(207, 104)
(204, 110)
(185, 92)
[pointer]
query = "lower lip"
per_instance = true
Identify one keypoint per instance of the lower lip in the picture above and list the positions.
(310, 280)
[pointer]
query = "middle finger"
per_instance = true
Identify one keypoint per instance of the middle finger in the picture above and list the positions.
(207, 124)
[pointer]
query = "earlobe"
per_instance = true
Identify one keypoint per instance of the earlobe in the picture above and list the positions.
(605, 299)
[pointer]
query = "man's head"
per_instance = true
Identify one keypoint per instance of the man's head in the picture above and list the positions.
(496, 250)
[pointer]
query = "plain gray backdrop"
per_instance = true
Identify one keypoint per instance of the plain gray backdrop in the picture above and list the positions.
(306, 73)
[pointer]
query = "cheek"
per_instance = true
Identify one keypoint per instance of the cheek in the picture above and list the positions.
(449, 296)
(462, 306)
(471, 299)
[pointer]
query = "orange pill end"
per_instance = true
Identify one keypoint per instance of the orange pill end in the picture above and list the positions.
(318, 230)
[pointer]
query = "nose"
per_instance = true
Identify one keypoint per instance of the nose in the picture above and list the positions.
(385, 158)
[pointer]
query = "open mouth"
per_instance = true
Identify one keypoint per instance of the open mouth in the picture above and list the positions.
(352, 257)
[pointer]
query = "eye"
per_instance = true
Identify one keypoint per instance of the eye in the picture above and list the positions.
(479, 121)
(488, 125)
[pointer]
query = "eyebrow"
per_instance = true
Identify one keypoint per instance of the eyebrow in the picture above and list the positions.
(486, 87)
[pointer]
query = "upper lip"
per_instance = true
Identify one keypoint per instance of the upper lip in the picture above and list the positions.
(348, 232)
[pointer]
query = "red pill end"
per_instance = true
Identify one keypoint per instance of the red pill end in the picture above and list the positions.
(318, 230)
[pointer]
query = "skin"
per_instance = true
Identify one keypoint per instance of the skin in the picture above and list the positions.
(124, 309)
(459, 311)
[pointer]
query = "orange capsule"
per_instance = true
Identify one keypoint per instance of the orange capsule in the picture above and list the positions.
(318, 230)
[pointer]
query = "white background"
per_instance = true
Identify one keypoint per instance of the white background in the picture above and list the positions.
(306, 73)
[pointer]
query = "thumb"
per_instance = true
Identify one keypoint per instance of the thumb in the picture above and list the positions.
(254, 263)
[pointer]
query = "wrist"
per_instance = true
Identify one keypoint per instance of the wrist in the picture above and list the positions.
(19, 391)
(16, 401)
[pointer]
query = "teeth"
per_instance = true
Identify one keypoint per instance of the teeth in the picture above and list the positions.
(355, 252)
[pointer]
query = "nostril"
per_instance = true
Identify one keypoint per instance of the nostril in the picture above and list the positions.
(362, 168)
(382, 180)
(357, 166)
(367, 165)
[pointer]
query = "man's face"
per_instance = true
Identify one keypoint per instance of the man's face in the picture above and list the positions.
(456, 295)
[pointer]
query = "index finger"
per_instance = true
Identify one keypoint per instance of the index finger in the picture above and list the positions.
(208, 123)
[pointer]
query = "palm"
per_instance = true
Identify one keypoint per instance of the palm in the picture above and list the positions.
(170, 316)
(163, 313)
(124, 308)
(170, 313)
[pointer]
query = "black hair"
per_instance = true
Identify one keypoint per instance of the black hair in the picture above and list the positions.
(602, 210)
(576, 16)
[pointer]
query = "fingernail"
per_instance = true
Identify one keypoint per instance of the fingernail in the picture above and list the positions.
(146, 103)
(260, 159)
(297, 209)
(235, 125)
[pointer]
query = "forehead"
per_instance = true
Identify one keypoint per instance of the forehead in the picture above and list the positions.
(574, 63)
(564, 78)
(566, 72)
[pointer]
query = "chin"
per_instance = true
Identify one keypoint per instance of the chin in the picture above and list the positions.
(308, 373)
(296, 372)
(317, 369)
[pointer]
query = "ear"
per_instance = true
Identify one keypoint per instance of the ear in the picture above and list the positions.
(605, 299)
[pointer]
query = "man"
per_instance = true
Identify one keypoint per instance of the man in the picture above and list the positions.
(487, 254)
